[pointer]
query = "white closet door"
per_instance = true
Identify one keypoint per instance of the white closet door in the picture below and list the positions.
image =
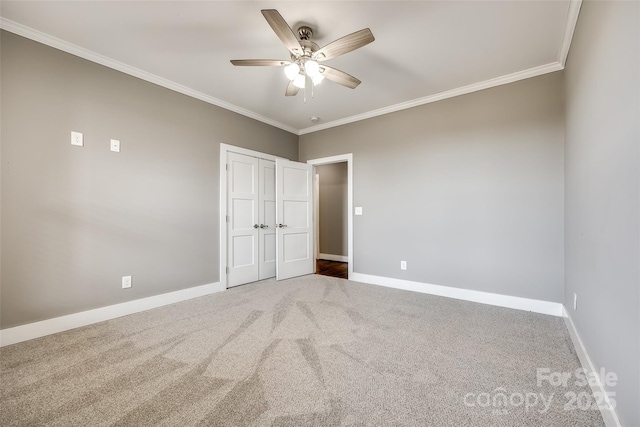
(242, 222)
(295, 219)
(267, 217)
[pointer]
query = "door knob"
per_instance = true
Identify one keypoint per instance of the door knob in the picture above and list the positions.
(264, 226)
(255, 225)
(281, 225)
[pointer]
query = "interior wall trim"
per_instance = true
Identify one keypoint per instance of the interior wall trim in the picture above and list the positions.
(331, 257)
(572, 17)
(64, 323)
(609, 414)
(46, 39)
(507, 301)
(475, 87)
(569, 28)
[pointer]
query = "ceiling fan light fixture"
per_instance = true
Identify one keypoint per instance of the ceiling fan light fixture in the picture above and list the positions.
(299, 81)
(312, 68)
(292, 70)
(317, 79)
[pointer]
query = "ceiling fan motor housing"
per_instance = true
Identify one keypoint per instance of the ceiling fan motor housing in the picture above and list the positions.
(305, 33)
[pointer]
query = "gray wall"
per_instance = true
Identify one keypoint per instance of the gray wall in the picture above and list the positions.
(333, 209)
(602, 193)
(469, 191)
(77, 219)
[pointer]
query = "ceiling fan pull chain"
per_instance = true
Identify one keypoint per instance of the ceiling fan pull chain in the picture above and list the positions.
(312, 88)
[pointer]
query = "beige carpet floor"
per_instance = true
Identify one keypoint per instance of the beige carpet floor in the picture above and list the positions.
(311, 351)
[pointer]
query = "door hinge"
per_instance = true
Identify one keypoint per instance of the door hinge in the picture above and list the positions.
(227, 269)
(226, 166)
(227, 218)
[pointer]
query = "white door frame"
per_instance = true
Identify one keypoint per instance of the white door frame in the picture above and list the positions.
(224, 150)
(340, 159)
(316, 216)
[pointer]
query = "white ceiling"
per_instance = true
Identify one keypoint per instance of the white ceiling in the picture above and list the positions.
(424, 50)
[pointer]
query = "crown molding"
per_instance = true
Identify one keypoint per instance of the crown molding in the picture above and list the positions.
(38, 36)
(570, 26)
(498, 81)
(46, 39)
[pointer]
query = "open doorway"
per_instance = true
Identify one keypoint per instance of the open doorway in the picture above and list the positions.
(332, 252)
(333, 222)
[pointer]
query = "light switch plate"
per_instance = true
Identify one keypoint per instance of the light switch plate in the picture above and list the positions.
(76, 139)
(358, 210)
(115, 145)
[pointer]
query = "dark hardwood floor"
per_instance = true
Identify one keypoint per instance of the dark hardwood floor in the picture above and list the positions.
(332, 268)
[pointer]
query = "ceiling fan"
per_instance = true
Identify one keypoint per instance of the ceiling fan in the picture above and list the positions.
(307, 57)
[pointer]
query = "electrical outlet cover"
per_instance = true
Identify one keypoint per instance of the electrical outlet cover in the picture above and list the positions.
(77, 139)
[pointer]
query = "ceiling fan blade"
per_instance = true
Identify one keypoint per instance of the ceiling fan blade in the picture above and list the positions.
(292, 90)
(339, 77)
(259, 62)
(345, 45)
(282, 30)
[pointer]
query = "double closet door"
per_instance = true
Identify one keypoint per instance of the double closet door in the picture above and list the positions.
(269, 219)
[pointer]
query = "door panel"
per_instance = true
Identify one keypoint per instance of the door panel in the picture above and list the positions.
(242, 254)
(270, 251)
(244, 213)
(269, 213)
(295, 182)
(242, 175)
(296, 246)
(242, 205)
(294, 214)
(267, 216)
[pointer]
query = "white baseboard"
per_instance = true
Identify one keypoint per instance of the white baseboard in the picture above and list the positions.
(518, 303)
(609, 413)
(330, 257)
(64, 323)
